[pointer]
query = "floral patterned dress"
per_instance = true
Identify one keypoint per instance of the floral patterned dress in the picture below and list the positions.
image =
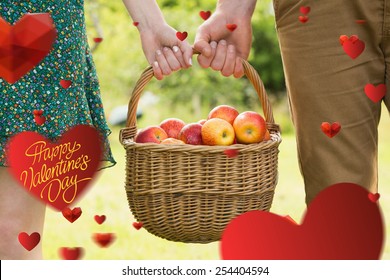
(69, 59)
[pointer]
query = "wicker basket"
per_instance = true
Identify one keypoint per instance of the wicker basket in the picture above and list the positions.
(188, 193)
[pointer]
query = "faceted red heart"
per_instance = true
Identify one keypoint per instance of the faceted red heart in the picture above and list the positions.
(72, 215)
(98, 40)
(205, 15)
(231, 26)
(181, 35)
(304, 10)
(353, 47)
(103, 239)
(65, 83)
(330, 130)
(374, 197)
(100, 219)
(375, 93)
(303, 19)
(341, 223)
(24, 44)
(138, 225)
(56, 173)
(231, 152)
(67, 253)
(29, 241)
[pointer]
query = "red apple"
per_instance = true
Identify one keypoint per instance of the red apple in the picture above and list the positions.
(151, 134)
(225, 112)
(172, 126)
(217, 132)
(250, 127)
(191, 134)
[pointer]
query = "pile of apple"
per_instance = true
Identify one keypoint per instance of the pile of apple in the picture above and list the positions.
(224, 126)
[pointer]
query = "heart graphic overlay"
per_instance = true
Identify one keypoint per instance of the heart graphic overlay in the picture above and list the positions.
(138, 225)
(65, 83)
(181, 35)
(303, 19)
(304, 10)
(29, 241)
(352, 46)
(72, 215)
(100, 219)
(25, 44)
(67, 253)
(205, 14)
(231, 26)
(330, 130)
(375, 93)
(341, 223)
(103, 239)
(56, 173)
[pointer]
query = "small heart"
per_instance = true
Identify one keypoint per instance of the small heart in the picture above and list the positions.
(181, 35)
(38, 112)
(100, 219)
(39, 120)
(330, 130)
(29, 242)
(303, 19)
(374, 197)
(97, 39)
(375, 93)
(138, 225)
(72, 215)
(304, 10)
(67, 253)
(231, 26)
(353, 47)
(135, 23)
(361, 21)
(205, 15)
(345, 38)
(103, 239)
(230, 153)
(65, 83)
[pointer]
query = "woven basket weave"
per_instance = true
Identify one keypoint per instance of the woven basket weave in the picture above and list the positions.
(189, 193)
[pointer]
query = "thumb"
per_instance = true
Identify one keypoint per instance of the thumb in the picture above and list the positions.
(202, 45)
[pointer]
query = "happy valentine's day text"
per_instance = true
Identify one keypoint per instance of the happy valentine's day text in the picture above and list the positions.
(64, 167)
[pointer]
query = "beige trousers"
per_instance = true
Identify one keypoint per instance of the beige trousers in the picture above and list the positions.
(324, 84)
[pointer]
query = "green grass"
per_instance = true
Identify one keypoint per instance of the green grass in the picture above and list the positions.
(107, 196)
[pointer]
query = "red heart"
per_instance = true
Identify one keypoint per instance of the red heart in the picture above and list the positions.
(339, 224)
(304, 10)
(97, 39)
(361, 21)
(374, 197)
(56, 173)
(330, 130)
(100, 219)
(375, 93)
(135, 23)
(231, 26)
(353, 46)
(303, 19)
(231, 152)
(344, 38)
(67, 253)
(72, 215)
(29, 242)
(65, 83)
(39, 120)
(181, 35)
(205, 15)
(24, 44)
(103, 239)
(138, 225)
(38, 112)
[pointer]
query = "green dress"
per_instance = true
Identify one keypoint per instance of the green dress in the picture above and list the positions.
(69, 59)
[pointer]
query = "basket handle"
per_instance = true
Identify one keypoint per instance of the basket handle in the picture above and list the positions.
(147, 75)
